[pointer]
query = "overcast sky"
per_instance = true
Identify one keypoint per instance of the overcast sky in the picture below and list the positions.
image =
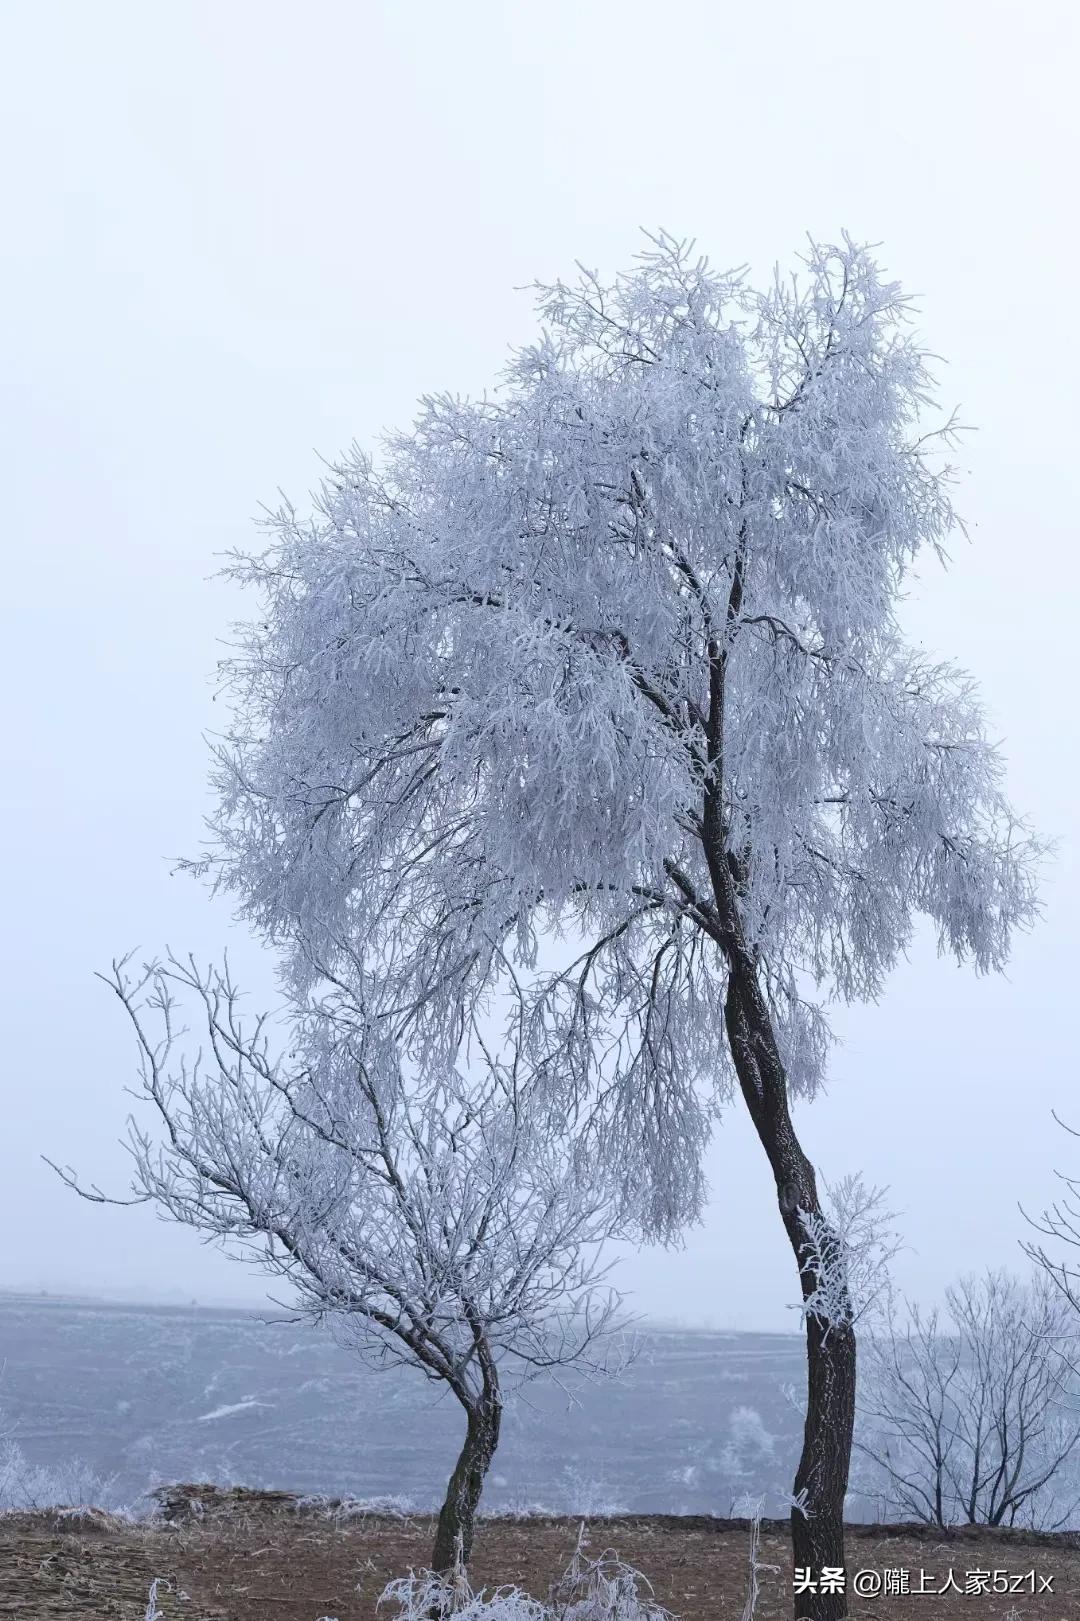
(239, 235)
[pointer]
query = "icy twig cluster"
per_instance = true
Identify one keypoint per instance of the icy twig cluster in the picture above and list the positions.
(601, 1589)
(846, 1253)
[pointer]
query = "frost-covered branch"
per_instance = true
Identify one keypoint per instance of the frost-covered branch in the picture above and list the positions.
(848, 1247)
(574, 649)
(425, 1213)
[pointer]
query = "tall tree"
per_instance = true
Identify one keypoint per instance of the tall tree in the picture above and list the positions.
(612, 658)
(421, 1215)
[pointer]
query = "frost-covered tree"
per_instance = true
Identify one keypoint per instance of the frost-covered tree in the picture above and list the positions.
(598, 683)
(421, 1215)
(967, 1416)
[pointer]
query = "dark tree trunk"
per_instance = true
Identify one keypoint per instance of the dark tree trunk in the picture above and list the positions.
(817, 1536)
(457, 1518)
(817, 1539)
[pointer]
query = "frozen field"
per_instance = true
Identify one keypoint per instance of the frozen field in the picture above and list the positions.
(157, 1393)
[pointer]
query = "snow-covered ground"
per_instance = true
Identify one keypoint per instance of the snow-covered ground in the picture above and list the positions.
(156, 1393)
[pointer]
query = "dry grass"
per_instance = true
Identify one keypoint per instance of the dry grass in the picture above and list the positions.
(252, 1556)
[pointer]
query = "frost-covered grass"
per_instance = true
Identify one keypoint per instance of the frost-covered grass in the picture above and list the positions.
(426, 1597)
(343, 1509)
(602, 1589)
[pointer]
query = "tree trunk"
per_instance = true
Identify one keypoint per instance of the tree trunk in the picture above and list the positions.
(457, 1518)
(817, 1538)
(817, 1530)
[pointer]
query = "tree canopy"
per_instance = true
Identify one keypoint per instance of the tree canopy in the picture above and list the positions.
(595, 691)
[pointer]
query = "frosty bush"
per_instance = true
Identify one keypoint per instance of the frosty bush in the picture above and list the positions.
(584, 1490)
(603, 1589)
(428, 1597)
(27, 1488)
(749, 1443)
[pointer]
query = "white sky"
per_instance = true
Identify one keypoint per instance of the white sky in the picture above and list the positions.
(241, 233)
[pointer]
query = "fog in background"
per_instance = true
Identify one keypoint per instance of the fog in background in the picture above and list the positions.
(239, 235)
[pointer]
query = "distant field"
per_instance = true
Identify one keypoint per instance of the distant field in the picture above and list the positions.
(154, 1394)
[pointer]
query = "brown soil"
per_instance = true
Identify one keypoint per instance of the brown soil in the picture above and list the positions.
(256, 1556)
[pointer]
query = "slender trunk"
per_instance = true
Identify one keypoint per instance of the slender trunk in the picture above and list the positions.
(817, 1529)
(817, 1525)
(457, 1518)
(939, 1496)
(817, 1538)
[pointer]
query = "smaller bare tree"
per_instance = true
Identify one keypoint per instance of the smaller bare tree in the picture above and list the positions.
(427, 1216)
(965, 1415)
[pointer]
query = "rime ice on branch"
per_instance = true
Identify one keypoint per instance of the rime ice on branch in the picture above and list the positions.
(422, 1215)
(612, 658)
